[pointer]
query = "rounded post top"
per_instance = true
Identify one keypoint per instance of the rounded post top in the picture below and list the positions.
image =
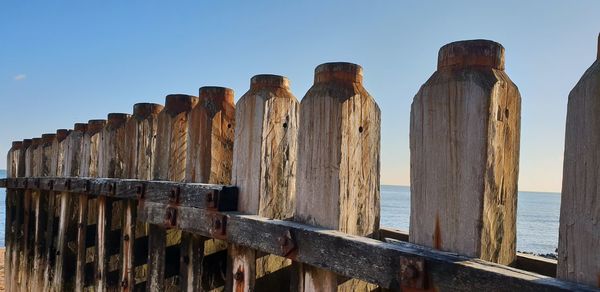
(61, 134)
(116, 119)
(143, 110)
(80, 127)
(48, 138)
(598, 54)
(339, 71)
(216, 94)
(178, 103)
(16, 145)
(36, 142)
(269, 80)
(471, 53)
(95, 126)
(27, 143)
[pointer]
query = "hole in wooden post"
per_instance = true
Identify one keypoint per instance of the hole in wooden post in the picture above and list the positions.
(360, 129)
(506, 113)
(284, 125)
(228, 126)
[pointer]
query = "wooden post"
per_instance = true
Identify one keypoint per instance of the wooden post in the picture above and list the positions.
(26, 264)
(579, 235)
(56, 167)
(338, 163)
(264, 169)
(169, 164)
(18, 226)
(464, 143)
(210, 152)
(111, 164)
(10, 229)
(86, 205)
(66, 254)
(141, 144)
(42, 206)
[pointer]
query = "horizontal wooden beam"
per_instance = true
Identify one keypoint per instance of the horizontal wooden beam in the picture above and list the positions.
(381, 263)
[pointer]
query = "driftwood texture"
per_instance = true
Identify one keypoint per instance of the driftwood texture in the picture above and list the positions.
(265, 171)
(338, 163)
(579, 233)
(464, 143)
(26, 263)
(16, 244)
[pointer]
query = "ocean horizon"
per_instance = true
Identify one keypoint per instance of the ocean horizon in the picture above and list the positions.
(537, 216)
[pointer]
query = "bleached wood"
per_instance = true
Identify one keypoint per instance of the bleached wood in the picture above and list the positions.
(26, 262)
(338, 163)
(11, 225)
(264, 169)
(18, 223)
(579, 233)
(464, 143)
(86, 208)
(170, 160)
(140, 142)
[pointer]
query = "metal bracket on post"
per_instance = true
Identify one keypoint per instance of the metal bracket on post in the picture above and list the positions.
(218, 227)
(287, 243)
(413, 273)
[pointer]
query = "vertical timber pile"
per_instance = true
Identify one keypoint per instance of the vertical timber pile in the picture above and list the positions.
(264, 169)
(579, 233)
(56, 167)
(111, 164)
(43, 207)
(26, 264)
(464, 144)
(18, 226)
(169, 164)
(12, 228)
(141, 145)
(211, 126)
(338, 164)
(86, 205)
(66, 242)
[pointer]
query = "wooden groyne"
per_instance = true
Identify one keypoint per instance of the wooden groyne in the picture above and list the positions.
(272, 194)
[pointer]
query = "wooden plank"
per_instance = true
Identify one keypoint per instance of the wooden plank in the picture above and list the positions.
(169, 164)
(140, 143)
(26, 261)
(264, 169)
(338, 155)
(348, 255)
(18, 222)
(111, 164)
(579, 232)
(464, 142)
(10, 230)
(64, 269)
(86, 214)
(42, 205)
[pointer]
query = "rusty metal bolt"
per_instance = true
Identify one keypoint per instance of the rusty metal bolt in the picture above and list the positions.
(217, 224)
(139, 190)
(209, 197)
(410, 272)
(68, 184)
(239, 276)
(50, 184)
(25, 183)
(111, 188)
(87, 186)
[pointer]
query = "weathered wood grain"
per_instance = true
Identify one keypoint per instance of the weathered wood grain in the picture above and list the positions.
(66, 242)
(86, 205)
(464, 143)
(18, 226)
(579, 232)
(140, 143)
(170, 160)
(26, 264)
(11, 225)
(338, 163)
(264, 169)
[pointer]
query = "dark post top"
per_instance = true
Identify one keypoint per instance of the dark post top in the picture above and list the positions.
(471, 53)
(36, 142)
(269, 80)
(16, 145)
(143, 110)
(61, 134)
(178, 103)
(216, 94)
(338, 71)
(80, 127)
(95, 126)
(27, 143)
(48, 138)
(115, 120)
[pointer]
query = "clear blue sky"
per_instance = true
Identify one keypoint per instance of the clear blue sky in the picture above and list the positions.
(67, 62)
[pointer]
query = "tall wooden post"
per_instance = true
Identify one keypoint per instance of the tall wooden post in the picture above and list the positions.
(10, 229)
(29, 219)
(64, 269)
(42, 206)
(338, 163)
(140, 144)
(86, 205)
(210, 149)
(464, 145)
(57, 163)
(111, 164)
(19, 229)
(579, 235)
(169, 164)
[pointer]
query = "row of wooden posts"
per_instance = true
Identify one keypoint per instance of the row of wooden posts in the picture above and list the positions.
(310, 163)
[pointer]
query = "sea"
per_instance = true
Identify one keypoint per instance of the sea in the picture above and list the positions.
(537, 216)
